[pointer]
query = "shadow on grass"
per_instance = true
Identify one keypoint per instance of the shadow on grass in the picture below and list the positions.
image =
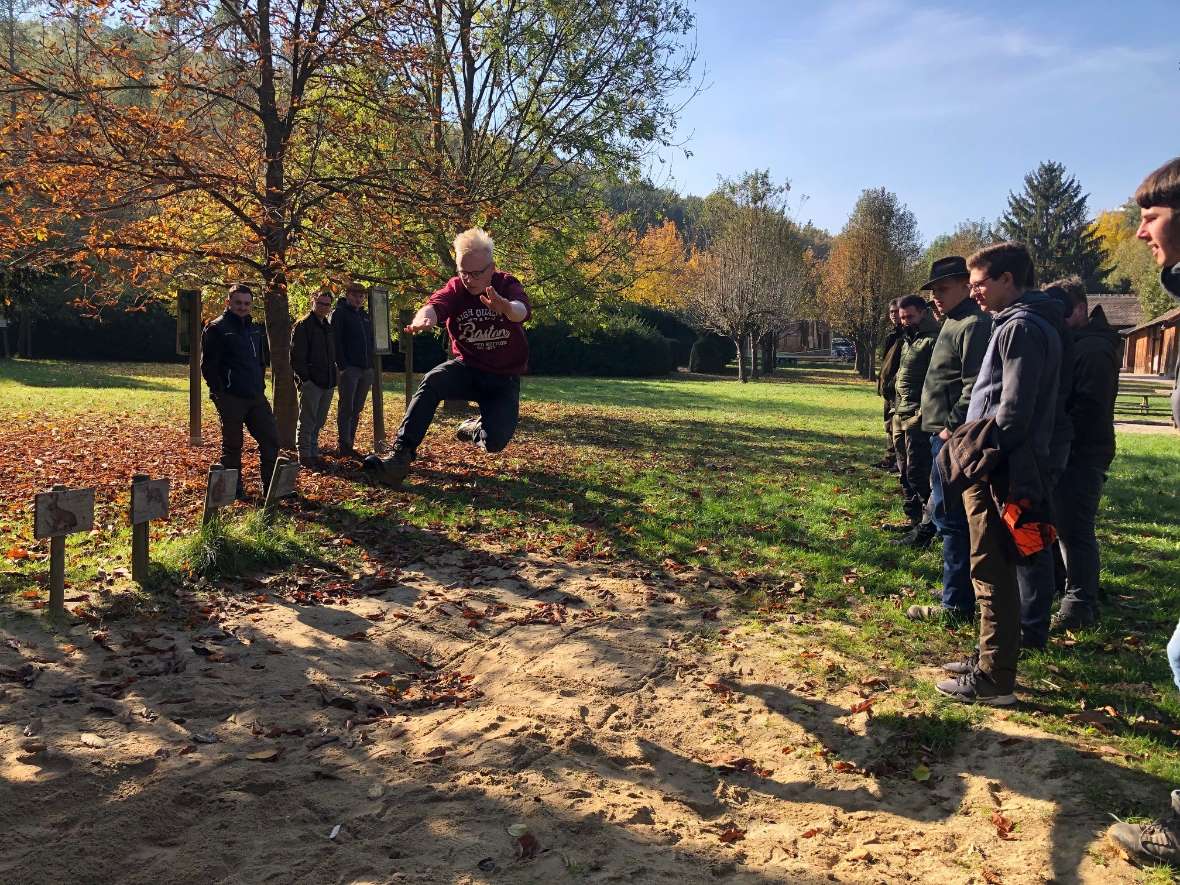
(98, 376)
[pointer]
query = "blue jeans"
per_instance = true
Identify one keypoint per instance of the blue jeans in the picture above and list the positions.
(1037, 578)
(1174, 655)
(950, 519)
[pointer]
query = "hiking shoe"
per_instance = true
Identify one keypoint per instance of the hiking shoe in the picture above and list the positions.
(886, 464)
(1070, 621)
(975, 687)
(466, 432)
(898, 527)
(951, 617)
(959, 668)
(1155, 843)
(918, 537)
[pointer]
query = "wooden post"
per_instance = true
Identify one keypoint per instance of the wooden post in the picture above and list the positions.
(282, 482)
(139, 539)
(194, 369)
(57, 571)
(220, 490)
(378, 406)
(406, 343)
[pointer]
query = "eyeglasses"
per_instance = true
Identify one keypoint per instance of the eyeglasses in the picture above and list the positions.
(977, 285)
(468, 274)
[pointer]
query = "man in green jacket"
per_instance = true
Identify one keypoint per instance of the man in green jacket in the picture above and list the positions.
(946, 393)
(911, 441)
(890, 354)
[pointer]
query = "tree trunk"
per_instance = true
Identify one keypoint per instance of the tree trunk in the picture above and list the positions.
(743, 369)
(752, 338)
(768, 353)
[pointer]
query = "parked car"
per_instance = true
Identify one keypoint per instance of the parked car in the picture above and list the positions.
(843, 349)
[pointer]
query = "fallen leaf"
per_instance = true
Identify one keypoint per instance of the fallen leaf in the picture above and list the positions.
(861, 707)
(810, 833)
(89, 739)
(268, 755)
(1004, 826)
(733, 834)
(358, 636)
(921, 774)
(17, 553)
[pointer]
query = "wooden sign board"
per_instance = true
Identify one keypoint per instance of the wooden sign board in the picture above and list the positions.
(283, 481)
(149, 500)
(379, 314)
(223, 488)
(63, 513)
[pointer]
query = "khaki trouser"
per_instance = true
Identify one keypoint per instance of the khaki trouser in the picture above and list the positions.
(993, 575)
(314, 402)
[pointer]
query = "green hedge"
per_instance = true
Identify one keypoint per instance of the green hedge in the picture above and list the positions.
(625, 347)
(711, 354)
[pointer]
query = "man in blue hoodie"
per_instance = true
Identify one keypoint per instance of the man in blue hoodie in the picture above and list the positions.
(1159, 198)
(234, 357)
(1017, 390)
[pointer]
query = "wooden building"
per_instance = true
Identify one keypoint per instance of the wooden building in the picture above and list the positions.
(1152, 347)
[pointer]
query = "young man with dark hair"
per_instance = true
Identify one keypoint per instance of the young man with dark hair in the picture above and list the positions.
(234, 357)
(946, 394)
(313, 360)
(909, 439)
(1000, 451)
(890, 353)
(1159, 198)
(1093, 385)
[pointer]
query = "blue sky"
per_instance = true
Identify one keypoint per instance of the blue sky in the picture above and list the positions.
(946, 104)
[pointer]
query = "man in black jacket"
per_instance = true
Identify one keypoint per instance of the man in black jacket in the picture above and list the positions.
(353, 334)
(234, 357)
(313, 360)
(1094, 384)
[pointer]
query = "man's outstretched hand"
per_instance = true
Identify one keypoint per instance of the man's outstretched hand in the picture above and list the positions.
(494, 300)
(420, 324)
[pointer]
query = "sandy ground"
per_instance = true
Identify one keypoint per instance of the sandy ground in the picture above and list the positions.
(455, 716)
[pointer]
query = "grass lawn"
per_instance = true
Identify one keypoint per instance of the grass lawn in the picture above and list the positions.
(766, 483)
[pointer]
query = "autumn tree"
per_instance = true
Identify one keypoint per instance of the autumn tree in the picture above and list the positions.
(967, 237)
(870, 263)
(1050, 217)
(753, 273)
(662, 269)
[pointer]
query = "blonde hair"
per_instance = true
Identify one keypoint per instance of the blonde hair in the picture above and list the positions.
(473, 239)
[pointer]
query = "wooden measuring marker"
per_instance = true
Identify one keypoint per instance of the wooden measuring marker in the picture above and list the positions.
(149, 500)
(58, 513)
(221, 490)
(282, 482)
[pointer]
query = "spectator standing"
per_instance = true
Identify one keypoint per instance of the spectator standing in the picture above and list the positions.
(1010, 419)
(313, 360)
(910, 440)
(234, 357)
(353, 334)
(946, 394)
(888, 371)
(1159, 198)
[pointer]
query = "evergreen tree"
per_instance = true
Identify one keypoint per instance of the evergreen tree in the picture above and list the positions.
(1050, 217)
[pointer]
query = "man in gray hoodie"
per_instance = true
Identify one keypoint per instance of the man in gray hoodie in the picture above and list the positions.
(1017, 389)
(1159, 198)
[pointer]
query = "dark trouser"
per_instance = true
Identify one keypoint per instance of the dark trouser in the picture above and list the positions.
(948, 516)
(1076, 511)
(498, 397)
(993, 573)
(913, 466)
(1036, 579)
(890, 448)
(314, 402)
(233, 412)
(354, 388)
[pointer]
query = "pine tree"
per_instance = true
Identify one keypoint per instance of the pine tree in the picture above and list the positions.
(1050, 217)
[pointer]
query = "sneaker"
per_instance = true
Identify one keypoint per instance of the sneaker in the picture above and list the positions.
(1155, 843)
(975, 687)
(950, 616)
(898, 527)
(959, 668)
(467, 431)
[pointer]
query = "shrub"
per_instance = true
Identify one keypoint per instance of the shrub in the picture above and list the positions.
(625, 347)
(711, 354)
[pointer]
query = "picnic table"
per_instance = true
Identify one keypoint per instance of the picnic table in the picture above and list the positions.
(1144, 396)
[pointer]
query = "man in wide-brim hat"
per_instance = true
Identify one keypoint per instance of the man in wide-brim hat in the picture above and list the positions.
(946, 393)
